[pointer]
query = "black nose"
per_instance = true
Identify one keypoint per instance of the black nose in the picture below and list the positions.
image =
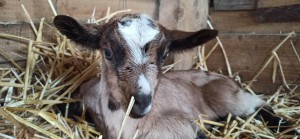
(141, 106)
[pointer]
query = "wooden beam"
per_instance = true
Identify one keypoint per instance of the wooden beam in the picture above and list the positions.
(187, 15)
(245, 22)
(288, 13)
(276, 3)
(192, 17)
(234, 4)
(168, 13)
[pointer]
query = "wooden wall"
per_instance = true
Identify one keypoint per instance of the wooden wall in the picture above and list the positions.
(247, 40)
(13, 20)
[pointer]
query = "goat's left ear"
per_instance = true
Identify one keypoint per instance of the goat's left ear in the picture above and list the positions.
(181, 40)
(87, 35)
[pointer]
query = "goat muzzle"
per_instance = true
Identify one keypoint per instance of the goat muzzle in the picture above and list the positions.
(142, 106)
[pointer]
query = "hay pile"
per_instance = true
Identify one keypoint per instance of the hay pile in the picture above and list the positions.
(55, 69)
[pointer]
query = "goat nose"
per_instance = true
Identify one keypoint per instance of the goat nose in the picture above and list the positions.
(142, 99)
(141, 106)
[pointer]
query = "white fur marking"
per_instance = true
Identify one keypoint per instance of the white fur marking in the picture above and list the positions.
(147, 109)
(248, 103)
(144, 85)
(137, 32)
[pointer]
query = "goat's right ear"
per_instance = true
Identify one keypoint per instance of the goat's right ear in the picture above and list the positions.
(86, 36)
(182, 41)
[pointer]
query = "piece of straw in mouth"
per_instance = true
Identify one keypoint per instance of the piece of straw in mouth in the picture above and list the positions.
(126, 116)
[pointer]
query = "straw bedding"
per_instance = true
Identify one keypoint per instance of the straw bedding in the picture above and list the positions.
(29, 95)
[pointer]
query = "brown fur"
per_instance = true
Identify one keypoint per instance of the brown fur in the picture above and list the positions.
(181, 96)
(177, 98)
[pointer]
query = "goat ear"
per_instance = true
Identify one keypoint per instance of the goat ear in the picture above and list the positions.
(182, 40)
(85, 35)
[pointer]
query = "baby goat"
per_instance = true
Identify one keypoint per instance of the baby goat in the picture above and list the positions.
(134, 49)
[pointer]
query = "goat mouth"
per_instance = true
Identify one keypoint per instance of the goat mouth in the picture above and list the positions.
(140, 111)
(142, 106)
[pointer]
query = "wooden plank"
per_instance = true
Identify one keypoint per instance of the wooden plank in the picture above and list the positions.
(247, 54)
(245, 22)
(85, 8)
(234, 4)
(276, 3)
(183, 15)
(193, 17)
(17, 50)
(288, 13)
(14, 49)
(278, 10)
(11, 11)
(168, 13)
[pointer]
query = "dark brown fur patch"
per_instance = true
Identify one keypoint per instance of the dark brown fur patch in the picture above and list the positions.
(113, 105)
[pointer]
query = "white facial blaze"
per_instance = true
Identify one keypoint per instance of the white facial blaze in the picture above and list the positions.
(144, 85)
(137, 32)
